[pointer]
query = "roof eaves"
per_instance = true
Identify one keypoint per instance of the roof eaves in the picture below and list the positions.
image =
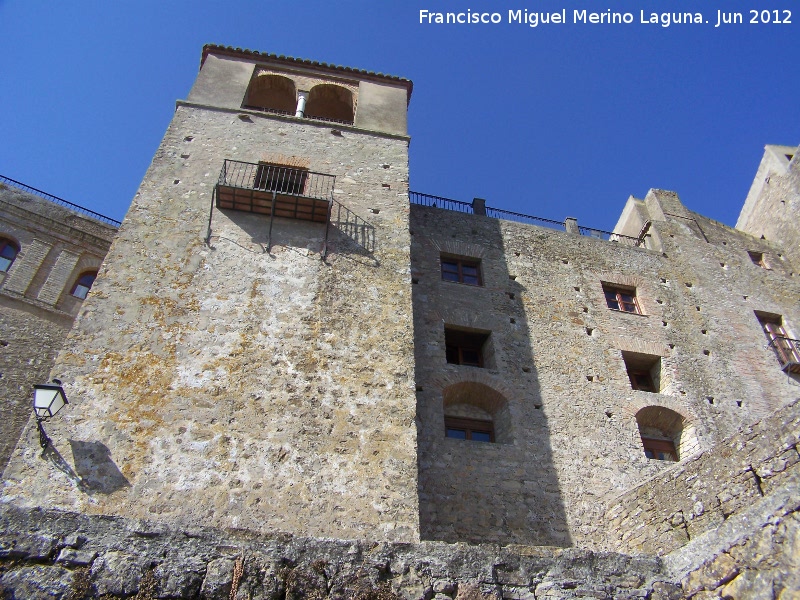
(291, 60)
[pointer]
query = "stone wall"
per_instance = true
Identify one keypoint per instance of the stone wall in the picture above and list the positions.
(773, 202)
(235, 385)
(555, 370)
(36, 308)
(49, 554)
(702, 493)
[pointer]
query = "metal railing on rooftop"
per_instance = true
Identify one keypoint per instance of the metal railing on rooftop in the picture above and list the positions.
(60, 201)
(507, 215)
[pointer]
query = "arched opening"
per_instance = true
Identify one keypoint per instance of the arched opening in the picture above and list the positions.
(83, 284)
(8, 253)
(474, 411)
(330, 103)
(662, 433)
(274, 93)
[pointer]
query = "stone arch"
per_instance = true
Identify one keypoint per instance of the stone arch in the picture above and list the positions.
(330, 102)
(475, 400)
(272, 92)
(662, 424)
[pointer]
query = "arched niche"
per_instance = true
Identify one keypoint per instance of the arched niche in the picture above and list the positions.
(330, 102)
(272, 92)
(660, 428)
(477, 402)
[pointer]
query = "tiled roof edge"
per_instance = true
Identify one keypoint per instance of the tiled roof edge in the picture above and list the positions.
(218, 49)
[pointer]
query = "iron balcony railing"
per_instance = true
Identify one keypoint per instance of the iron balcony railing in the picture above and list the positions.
(60, 201)
(272, 178)
(507, 215)
(788, 352)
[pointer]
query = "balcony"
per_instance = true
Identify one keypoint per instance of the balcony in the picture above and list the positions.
(275, 190)
(788, 352)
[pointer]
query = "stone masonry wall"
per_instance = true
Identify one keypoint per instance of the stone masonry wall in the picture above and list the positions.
(773, 203)
(554, 360)
(57, 555)
(227, 385)
(699, 495)
(36, 308)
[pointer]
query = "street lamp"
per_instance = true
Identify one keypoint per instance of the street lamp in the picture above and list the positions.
(48, 399)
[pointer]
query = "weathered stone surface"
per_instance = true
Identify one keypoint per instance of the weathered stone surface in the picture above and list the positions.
(721, 480)
(218, 579)
(209, 563)
(76, 558)
(117, 573)
(36, 583)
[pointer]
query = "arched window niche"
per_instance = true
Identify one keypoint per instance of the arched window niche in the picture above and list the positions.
(83, 284)
(330, 102)
(8, 253)
(665, 434)
(273, 93)
(474, 411)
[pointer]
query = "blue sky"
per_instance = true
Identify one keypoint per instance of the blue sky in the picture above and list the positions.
(554, 121)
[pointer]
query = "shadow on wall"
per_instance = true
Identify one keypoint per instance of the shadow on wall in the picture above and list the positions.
(348, 233)
(95, 468)
(486, 473)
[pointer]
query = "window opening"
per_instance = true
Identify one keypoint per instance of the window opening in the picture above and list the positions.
(475, 411)
(622, 299)
(644, 371)
(8, 252)
(465, 347)
(469, 429)
(280, 179)
(659, 449)
(83, 285)
(786, 349)
(272, 93)
(662, 431)
(758, 259)
(461, 271)
(329, 102)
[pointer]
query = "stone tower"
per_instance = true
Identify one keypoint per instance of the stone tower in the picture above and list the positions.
(245, 358)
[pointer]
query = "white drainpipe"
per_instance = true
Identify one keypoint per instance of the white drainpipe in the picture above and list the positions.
(301, 104)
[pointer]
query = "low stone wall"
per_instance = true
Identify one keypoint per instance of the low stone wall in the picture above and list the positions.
(762, 563)
(699, 495)
(51, 554)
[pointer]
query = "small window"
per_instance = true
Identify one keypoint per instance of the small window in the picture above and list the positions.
(663, 434)
(786, 349)
(83, 285)
(465, 347)
(623, 299)
(280, 179)
(659, 449)
(461, 271)
(758, 259)
(8, 252)
(644, 371)
(469, 429)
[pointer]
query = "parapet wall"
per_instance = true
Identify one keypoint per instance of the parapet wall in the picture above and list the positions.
(52, 554)
(699, 495)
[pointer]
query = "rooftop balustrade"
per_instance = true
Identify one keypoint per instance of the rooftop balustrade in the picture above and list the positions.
(480, 209)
